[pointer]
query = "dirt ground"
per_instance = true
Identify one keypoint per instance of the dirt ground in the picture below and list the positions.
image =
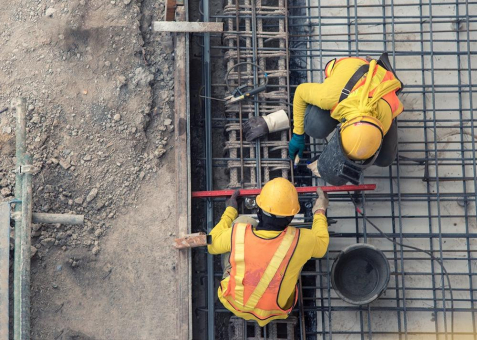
(99, 87)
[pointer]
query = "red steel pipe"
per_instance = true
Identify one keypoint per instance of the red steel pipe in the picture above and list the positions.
(301, 190)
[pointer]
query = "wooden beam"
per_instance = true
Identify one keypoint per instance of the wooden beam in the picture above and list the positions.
(188, 27)
(191, 241)
(183, 190)
(170, 10)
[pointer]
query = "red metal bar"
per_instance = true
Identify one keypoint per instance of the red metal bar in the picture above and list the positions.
(301, 190)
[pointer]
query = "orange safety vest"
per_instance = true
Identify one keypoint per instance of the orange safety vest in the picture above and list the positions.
(380, 75)
(258, 267)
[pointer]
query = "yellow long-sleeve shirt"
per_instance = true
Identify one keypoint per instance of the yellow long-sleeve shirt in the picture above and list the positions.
(326, 95)
(312, 243)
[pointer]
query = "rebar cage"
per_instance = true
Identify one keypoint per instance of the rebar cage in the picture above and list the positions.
(426, 199)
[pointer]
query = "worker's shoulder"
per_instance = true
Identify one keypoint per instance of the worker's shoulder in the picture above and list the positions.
(306, 235)
(341, 72)
(351, 60)
(350, 64)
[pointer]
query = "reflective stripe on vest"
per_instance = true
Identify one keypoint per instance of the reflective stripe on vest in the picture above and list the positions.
(380, 75)
(260, 279)
(239, 259)
(333, 62)
(329, 67)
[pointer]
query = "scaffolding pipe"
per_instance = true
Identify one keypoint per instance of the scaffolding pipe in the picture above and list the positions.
(22, 266)
(20, 106)
(45, 218)
(4, 268)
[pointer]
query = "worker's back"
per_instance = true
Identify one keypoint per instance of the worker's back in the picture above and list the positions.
(262, 260)
(265, 265)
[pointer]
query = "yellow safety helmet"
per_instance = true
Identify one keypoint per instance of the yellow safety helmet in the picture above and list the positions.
(361, 137)
(279, 197)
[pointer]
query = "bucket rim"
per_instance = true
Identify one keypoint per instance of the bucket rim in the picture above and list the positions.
(349, 249)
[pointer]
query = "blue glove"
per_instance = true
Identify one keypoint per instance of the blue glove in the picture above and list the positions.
(296, 145)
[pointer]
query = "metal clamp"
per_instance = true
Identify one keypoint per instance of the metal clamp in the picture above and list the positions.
(26, 169)
(16, 215)
(345, 92)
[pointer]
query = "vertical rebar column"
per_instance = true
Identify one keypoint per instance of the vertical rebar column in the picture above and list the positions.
(261, 62)
(20, 106)
(4, 268)
(258, 165)
(248, 47)
(283, 80)
(230, 64)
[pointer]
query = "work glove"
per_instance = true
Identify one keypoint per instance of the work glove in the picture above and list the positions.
(256, 127)
(232, 201)
(296, 145)
(313, 166)
(321, 202)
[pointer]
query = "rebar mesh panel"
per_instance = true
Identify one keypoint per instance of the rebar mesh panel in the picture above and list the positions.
(427, 197)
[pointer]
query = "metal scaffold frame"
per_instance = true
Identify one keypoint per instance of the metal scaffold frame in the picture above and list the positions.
(426, 198)
(23, 216)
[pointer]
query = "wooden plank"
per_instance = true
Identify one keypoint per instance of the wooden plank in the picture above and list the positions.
(188, 27)
(170, 10)
(191, 241)
(183, 192)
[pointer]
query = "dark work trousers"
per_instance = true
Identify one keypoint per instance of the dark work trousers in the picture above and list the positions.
(319, 124)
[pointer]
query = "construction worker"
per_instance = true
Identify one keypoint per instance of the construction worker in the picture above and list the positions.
(359, 100)
(262, 261)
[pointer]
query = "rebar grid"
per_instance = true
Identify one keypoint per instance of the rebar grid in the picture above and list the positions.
(427, 198)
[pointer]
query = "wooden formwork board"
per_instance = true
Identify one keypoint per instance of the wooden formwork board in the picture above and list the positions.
(182, 166)
(188, 27)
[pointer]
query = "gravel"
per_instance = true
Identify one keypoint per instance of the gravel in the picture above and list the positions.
(99, 110)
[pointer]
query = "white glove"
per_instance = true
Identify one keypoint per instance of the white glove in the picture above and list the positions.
(321, 202)
(277, 121)
(314, 168)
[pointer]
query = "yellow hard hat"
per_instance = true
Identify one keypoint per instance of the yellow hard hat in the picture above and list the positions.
(361, 137)
(279, 197)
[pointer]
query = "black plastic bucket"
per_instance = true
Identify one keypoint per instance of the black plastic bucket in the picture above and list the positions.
(360, 274)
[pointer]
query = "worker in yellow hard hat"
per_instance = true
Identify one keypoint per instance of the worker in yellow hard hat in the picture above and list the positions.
(263, 260)
(359, 100)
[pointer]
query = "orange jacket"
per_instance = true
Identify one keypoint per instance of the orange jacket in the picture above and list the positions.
(312, 243)
(258, 268)
(326, 95)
